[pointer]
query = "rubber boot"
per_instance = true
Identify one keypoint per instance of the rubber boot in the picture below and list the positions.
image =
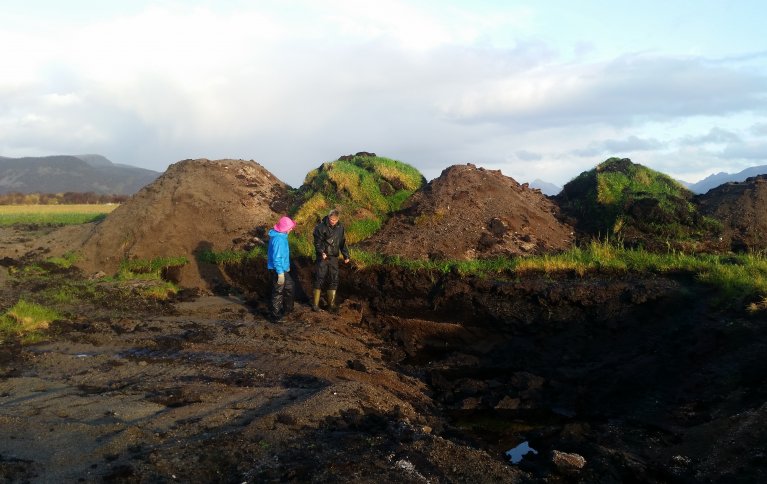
(278, 293)
(331, 295)
(316, 300)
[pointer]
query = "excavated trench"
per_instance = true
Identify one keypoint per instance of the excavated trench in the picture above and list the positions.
(423, 376)
(638, 375)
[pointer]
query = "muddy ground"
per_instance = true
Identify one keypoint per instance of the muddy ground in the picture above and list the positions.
(421, 377)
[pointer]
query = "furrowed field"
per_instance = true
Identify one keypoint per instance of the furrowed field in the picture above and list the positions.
(53, 214)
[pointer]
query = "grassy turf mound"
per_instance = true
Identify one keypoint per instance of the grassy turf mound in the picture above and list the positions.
(642, 207)
(365, 188)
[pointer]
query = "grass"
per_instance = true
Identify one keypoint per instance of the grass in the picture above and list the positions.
(229, 257)
(619, 194)
(617, 179)
(53, 214)
(49, 292)
(300, 244)
(64, 261)
(362, 228)
(26, 320)
(738, 278)
(396, 171)
(149, 274)
(365, 189)
(148, 269)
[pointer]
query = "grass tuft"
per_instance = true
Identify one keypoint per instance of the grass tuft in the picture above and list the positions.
(148, 269)
(65, 261)
(26, 320)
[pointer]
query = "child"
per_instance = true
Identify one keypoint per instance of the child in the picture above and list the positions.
(278, 263)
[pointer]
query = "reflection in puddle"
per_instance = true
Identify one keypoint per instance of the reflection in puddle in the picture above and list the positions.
(516, 454)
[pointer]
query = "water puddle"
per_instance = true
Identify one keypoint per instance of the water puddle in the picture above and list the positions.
(516, 454)
(223, 360)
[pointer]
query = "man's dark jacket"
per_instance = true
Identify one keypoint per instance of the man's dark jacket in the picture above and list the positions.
(330, 240)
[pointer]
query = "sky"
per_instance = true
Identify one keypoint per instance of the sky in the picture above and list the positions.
(537, 89)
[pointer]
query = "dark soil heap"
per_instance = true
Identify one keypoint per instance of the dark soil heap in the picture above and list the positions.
(470, 213)
(742, 209)
(195, 206)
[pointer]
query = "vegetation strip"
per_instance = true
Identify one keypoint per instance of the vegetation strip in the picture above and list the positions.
(738, 277)
(53, 214)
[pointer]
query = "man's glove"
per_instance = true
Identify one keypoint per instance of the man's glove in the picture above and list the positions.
(281, 279)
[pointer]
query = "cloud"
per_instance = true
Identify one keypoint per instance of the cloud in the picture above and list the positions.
(625, 91)
(759, 129)
(591, 151)
(525, 155)
(294, 84)
(715, 136)
(749, 151)
(632, 143)
(617, 147)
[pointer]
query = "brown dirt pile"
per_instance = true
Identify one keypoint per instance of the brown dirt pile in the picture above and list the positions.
(196, 205)
(741, 207)
(469, 213)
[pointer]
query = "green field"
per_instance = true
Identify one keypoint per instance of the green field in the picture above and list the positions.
(53, 214)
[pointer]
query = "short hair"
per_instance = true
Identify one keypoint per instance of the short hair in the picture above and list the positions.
(333, 213)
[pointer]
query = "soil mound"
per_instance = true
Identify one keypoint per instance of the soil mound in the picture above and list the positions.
(742, 209)
(366, 188)
(469, 213)
(195, 206)
(640, 206)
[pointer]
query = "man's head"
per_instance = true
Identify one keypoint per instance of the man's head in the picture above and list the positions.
(333, 217)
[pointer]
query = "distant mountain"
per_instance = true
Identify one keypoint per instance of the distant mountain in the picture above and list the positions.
(713, 181)
(96, 160)
(78, 173)
(545, 187)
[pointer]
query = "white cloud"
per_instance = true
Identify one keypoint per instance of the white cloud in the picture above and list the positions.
(751, 151)
(525, 155)
(759, 129)
(628, 90)
(632, 144)
(715, 136)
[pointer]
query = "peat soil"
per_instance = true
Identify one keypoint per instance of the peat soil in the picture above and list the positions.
(421, 377)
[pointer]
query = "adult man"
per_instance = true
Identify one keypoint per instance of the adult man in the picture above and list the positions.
(329, 242)
(278, 263)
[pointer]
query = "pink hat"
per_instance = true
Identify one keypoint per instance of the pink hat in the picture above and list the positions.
(285, 225)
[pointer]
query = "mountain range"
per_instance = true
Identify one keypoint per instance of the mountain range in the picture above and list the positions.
(545, 187)
(95, 173)
(75, 173)
(716, 179)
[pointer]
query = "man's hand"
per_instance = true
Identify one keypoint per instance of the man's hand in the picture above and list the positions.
(346, 261)
(324, 256)
(281, 279)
